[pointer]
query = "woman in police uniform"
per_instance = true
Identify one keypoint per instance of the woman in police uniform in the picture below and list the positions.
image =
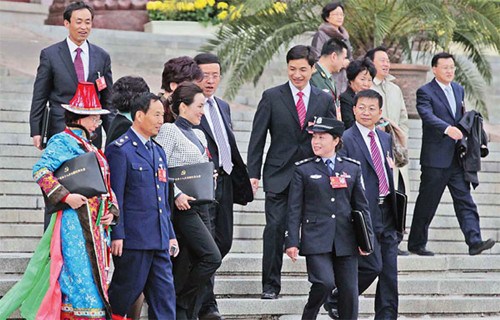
(323, 192)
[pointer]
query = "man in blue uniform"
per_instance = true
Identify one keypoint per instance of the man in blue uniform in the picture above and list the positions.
(323, 192)
(373, 149)
(144, 239)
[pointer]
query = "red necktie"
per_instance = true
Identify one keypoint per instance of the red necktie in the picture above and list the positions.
(383, 187)
(80, 73)
(301, 109)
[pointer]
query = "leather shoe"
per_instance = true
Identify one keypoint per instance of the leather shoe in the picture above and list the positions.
(269, 296)
(211, 315)
(331, 305)
(481, 246)
(333, 313)
(422, 252)
(403, 253)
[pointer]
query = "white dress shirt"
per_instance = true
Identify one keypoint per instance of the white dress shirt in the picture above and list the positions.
(364, 133)
(305, 97)
(84, 55)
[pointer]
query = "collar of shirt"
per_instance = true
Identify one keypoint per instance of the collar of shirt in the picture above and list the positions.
(305, 97)
(143, 139)
(323, 70)
(72, 47)
(443, 86)
(332, 158)
(127, 115)
(377, 81)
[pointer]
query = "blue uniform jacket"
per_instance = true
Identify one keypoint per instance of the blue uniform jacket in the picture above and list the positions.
(143, 199)
(324, 213)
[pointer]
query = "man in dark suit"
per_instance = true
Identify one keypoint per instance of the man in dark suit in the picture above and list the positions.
(233, 184)
(144, 238)
(373, 149)
(124, 90)
(323, 192)
(284, 111)
(440, 104)
(62, 66)
(332, 59)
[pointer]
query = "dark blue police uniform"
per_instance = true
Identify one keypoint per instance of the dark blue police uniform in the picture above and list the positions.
(138, 177)
(327, 236)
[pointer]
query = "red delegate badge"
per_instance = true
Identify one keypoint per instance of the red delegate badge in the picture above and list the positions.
(338, 182)
(100, 82)
(162, 174)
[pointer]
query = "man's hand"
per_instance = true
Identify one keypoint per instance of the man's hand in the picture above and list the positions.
(75, 200)
(293, 253)
(173, 248)
(181, 202)
(37, 142)
(255, 185)
(363, 253)
(117, 247)
(107, 219)
(454, 133)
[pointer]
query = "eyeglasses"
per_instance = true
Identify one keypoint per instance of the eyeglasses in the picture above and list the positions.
(96, 120)
(337, 15)
(370, 109)
(214, 76)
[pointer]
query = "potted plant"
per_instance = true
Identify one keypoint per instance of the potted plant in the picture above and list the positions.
(412, 30)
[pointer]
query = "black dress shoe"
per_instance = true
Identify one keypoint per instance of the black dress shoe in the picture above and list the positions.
(331, 305)
(211, 315)
(422, 252)
(481, 246)
(269, 296)
(403, 253)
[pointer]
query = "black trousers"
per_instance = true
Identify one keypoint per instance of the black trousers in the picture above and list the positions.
(432, 184)
(220, 222)
(274, 240)
(147, 271)
(197, 261)
(322, 270)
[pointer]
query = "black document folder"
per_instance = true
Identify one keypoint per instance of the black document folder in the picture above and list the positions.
(195, 180)
(401, 203)
(361, 229)
(79, 175)
(45, 126)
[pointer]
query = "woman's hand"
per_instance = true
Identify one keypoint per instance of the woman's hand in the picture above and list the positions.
(75, 200)
(107, 219)
(173, 248)
(181, 202)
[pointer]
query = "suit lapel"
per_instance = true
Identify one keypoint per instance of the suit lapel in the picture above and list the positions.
(226, 120)
(358, 138)
(92, 60)
(206, 127)
(441, 96)
(140, 148)
(289, 102)
(67, 60)
(458, 100)
(312, 106)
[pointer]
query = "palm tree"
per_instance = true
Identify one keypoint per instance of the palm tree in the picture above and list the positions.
(467, 28)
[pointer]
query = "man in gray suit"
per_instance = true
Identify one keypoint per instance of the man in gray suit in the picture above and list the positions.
(285, 112)
(62, 66)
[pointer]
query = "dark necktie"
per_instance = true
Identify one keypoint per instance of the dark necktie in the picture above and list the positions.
(224, 152)
(301, 109)
(329, 165)
(149, 146)
(383, 187)
(80, 73)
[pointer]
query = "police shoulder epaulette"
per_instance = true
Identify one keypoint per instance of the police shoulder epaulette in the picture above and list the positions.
(352, 160)
(122, 140)
(298, 163)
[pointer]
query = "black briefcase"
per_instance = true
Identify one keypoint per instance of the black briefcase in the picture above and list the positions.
(195, 180)
(79, 175)
(361, 229)
(401, 204)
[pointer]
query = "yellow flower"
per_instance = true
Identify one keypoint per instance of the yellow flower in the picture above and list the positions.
(190, 6)
(280, 7)
(235, 12)
(211, 2)
(153, 5)
(200, 4)
(222, 5)
(222, 15)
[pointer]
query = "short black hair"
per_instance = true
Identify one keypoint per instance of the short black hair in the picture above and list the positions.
(333, 45)
(301, 52)
(207, 58)
(370, 54)
(125, 90)
(184, 93)
(142, 103)
(441, 55)
(325, 12)
(79, 5)
(372, 94)
(357, 66)
(178, 70)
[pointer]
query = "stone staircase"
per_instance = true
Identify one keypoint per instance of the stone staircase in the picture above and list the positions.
(450, 284)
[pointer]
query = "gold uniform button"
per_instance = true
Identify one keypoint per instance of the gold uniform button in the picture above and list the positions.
(333, 216)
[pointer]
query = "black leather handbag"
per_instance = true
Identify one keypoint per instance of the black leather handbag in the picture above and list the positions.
(79, 175)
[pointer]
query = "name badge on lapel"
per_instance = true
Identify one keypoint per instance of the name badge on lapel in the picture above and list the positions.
(100, 82)
(338, 182)
(162, 174)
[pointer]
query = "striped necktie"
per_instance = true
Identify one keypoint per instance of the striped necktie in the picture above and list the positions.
(383, 186)
(222, 143)
(80, 73)
(301, 109)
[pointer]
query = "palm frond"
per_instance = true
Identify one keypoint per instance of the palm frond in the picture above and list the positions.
(469, 77)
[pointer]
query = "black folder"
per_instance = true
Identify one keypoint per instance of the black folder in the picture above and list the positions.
(81, 175)
(195, 180)
(401, 203)
(45, 126)
(361, 229)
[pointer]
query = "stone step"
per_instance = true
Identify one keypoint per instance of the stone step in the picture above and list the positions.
(22, 139)
(19, 151)
(14, 116)
(25, 230)
(25, 95)
(14, 104)
(21, 216)
(22, 176)
(20, 188)
(18, 162)
(21, 202)
(15, 127)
